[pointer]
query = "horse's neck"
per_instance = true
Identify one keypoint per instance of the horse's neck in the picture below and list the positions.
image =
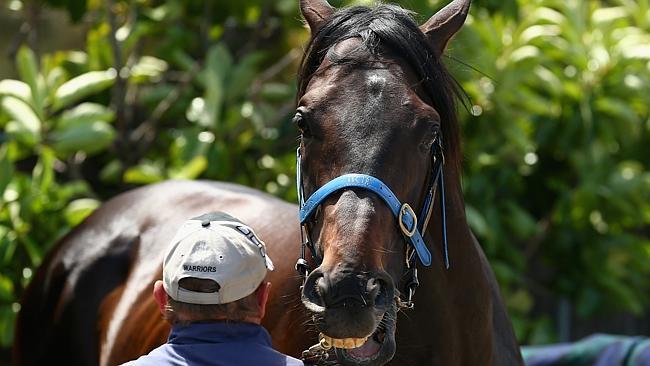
(475, 315)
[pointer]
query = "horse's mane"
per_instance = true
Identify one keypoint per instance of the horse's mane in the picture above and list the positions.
(393, 28)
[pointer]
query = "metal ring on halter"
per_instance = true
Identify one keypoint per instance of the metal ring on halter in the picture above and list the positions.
(403, 211)
(324, 343)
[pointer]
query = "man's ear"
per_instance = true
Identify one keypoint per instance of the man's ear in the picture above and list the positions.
(444, 24)
(160, 296)
(263, 296)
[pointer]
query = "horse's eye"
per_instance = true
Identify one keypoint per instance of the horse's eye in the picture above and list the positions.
(301, 123)
(430, 139)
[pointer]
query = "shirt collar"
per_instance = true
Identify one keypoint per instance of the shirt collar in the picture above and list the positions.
(219, 332)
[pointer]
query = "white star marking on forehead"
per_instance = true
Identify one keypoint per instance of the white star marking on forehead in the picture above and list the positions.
(376, 84)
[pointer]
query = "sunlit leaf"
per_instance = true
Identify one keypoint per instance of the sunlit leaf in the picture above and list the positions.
(83, 86)
(190, 170)
(89, 138)
(28, 70)
(85, 113)
(145, 173)
(148, 68)
(535, 31)
(79, 209)
(26, 123)
(525, 52)
(605, 15)
(17, 89)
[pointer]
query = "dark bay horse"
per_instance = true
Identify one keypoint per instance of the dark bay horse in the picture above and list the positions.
(376, 113)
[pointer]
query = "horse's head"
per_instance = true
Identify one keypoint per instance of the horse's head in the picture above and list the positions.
(374, 99)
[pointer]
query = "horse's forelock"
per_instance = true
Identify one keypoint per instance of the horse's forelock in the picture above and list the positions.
(393, 28)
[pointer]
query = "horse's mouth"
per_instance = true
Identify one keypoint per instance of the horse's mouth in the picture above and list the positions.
(374, 350)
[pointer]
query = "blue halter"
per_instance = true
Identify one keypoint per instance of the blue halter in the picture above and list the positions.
(411, 228)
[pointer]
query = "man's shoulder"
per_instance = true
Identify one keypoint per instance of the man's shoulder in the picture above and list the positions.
(154, 358)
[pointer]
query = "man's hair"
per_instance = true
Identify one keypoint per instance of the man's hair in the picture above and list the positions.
(177, 312)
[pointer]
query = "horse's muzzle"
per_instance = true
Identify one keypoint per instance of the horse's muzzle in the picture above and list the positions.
(348, 304)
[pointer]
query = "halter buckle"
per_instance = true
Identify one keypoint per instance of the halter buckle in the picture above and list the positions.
(302, 267)
(406, 209)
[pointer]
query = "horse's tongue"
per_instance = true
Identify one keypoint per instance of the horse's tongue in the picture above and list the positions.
(367, 350)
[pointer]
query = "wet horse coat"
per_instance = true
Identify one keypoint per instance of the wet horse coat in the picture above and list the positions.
(373, 98)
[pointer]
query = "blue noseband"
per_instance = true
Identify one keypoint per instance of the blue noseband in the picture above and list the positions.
(404, 213)
(407, 220)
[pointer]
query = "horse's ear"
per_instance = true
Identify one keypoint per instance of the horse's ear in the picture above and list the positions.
(316, 12)
(445, 23)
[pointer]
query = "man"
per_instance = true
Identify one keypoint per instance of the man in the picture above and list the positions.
(214, 295)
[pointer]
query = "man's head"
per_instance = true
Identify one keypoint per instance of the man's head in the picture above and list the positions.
(214, 269)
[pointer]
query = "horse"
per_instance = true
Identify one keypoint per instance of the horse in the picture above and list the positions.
(379, 139)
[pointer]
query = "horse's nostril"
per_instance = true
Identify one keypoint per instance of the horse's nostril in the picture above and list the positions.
(373, 288)
(380, 291)
(314, 288)
(321, 287)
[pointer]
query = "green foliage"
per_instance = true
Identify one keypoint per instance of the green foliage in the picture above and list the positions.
(557, 170)
(557, 181)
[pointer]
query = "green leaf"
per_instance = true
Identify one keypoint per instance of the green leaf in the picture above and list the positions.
(17, 89)
(276, 91)
(90, 138)
(43, 174)
(191, 169)
(533, 32)
(83, 86)
(27, 66)
(606, 15)
(7, 319)
(218, 65)
(476, 221)
(148, 68)
(79, 209)
(618, 109)
(28, 70)
(145, 173)
(523, 53)
(8, 244)
(110, 173)
(26, 124)
(55, 78)
(34, 250)
(6, 169)
(522, 224)
(6, 288)
(242, 75)
(85, 113)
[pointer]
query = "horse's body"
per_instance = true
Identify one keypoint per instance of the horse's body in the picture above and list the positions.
(90, 302)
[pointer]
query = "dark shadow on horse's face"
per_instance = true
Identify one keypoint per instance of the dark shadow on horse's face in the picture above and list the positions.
(362, 113)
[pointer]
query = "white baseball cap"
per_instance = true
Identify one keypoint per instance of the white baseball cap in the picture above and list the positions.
(218, 247)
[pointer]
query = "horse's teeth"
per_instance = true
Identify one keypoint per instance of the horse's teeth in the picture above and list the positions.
(359, 342)
(346, 343)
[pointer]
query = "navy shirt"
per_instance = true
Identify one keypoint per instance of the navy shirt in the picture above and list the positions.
(217, 344)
